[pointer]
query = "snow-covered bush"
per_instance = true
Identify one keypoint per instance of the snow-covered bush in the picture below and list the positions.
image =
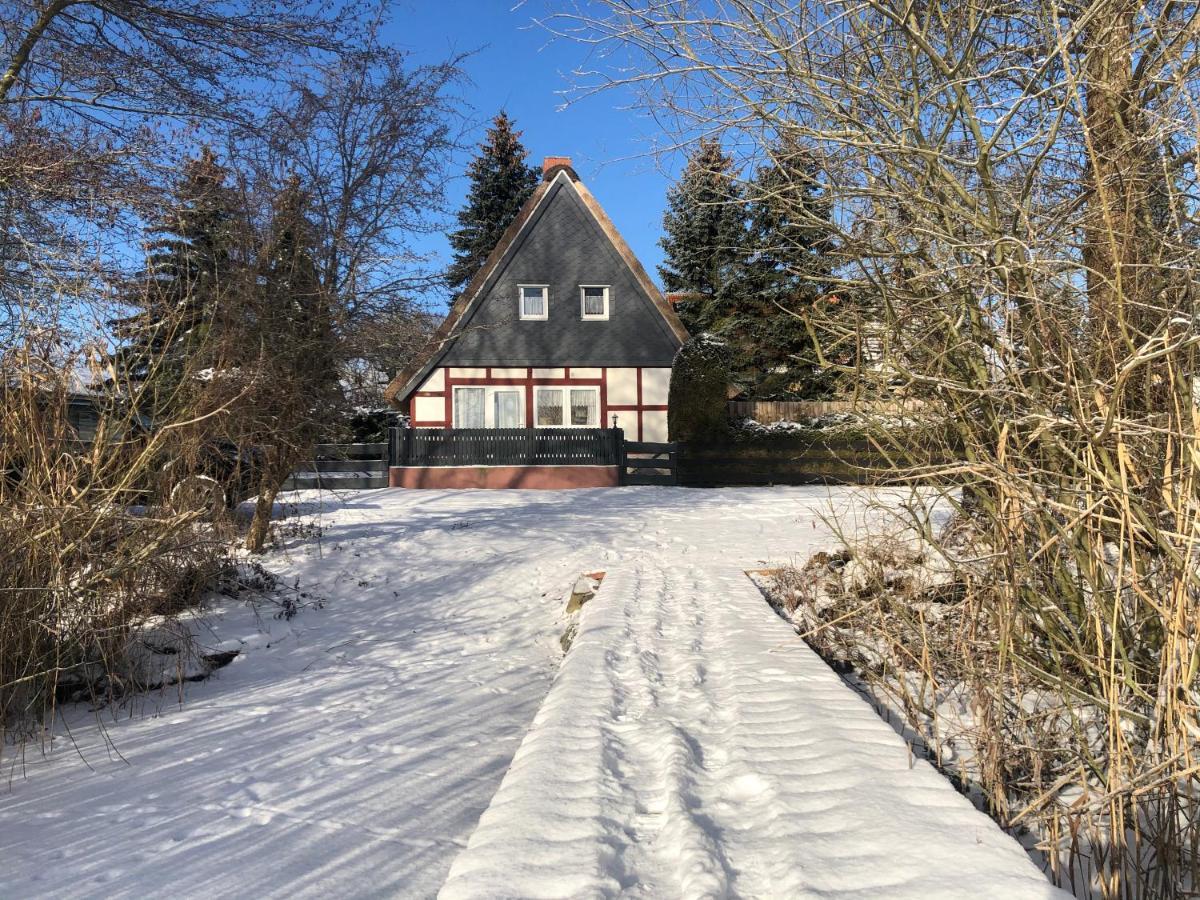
(914, 618)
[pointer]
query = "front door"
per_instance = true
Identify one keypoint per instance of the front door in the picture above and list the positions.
(508, 409)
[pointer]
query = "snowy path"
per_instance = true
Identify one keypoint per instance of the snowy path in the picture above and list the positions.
(690, 746)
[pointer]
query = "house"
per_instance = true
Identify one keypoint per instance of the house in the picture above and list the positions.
(560, 329)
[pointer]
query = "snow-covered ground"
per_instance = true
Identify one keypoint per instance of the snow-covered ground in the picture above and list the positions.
(690, 745)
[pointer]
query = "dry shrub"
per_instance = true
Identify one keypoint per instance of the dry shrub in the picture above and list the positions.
(1037, 731)
(93, 542)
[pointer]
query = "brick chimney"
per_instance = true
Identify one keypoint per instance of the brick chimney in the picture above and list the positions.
(552, 165)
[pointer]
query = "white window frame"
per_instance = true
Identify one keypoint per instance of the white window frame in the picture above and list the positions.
(566, 407)
(583, 314)
(545, 288)
(489, 402)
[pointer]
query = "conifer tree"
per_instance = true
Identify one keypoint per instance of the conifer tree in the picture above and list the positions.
(703, 231)
(782, 270)
(294, 374)
(501, 182)
(753, 257)
(191, 270)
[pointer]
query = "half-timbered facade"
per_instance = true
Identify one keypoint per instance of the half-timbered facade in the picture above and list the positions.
(561, 328)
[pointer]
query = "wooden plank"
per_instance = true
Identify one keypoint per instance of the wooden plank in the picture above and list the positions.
(635, 463)
(343, 465)
(649, 447)
(664, 458)
(643, 478)
(350, 451)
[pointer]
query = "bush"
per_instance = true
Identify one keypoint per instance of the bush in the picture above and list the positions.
(93, 545)
(698, 402)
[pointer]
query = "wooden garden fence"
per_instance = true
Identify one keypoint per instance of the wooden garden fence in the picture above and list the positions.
(342, 467)
(505, 446)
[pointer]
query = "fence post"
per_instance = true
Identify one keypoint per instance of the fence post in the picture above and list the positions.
(619, 447)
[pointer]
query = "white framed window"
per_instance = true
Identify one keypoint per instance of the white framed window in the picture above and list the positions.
(593, 301)
(533, 301)
(489, 407)
(507, 411)
(566, 407)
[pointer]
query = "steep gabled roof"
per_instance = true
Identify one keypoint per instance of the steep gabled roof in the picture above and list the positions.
(411, 377)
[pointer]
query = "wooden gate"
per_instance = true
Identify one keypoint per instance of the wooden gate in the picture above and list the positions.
(647, 462)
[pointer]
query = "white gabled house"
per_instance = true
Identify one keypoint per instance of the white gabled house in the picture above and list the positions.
(561, 328)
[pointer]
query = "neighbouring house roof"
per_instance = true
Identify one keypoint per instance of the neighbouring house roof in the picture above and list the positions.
(588, 229)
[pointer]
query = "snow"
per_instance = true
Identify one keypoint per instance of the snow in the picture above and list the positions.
(690, 749)
(689, 745)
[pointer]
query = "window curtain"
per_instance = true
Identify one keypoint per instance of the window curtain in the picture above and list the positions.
(593, 301)
(468, 407)
(549, 408)
(508, 409)
(533, 301)
(585, 408)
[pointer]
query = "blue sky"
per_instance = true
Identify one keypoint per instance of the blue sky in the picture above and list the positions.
(522, 68)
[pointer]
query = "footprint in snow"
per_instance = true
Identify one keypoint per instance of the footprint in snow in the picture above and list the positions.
(390, 749)
(255, 816)
(343, 761)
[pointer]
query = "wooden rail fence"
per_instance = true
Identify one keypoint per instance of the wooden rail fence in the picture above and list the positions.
(342, 467)
(647, 462)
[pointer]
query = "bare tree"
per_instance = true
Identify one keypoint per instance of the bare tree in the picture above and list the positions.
(370, 135)
(100, 99)
(373, 136)
(104, 60)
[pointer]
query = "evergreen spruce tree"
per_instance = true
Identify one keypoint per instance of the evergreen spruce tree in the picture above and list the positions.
(755, 259)
(782, 271)
(501, 182)
(295, 374)
(703, 232)
(190, 269)
(295, 317)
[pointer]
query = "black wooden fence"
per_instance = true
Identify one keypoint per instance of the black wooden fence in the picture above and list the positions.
(342, 467)
(649, 462)
(505, 446)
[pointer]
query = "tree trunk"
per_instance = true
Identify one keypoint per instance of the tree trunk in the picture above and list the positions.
(1118, 237)
(274, 474)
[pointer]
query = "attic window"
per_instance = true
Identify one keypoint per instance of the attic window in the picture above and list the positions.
(593, 300)
(534, 300)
